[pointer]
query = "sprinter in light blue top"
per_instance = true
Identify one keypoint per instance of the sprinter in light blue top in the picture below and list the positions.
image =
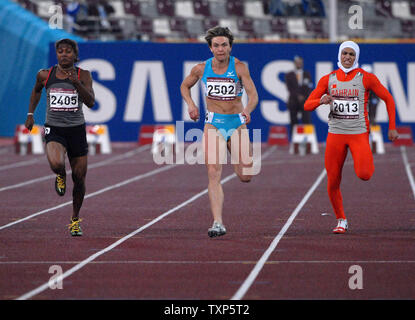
(226, 117)
(223, 87)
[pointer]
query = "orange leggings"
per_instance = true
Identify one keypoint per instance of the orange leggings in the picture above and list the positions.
(336, 152)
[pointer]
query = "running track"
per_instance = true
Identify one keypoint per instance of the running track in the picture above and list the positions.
(145, 230)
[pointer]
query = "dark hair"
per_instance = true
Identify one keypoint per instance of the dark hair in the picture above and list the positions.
(218, 32)
(70, 42)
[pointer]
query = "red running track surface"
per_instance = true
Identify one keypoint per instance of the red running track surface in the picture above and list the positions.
(173, 258)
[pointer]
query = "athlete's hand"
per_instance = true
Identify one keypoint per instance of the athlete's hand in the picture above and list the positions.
(326, 99)
(29, 122)
(73, 77)
(247, 116)
(393, 135)
(194, 113)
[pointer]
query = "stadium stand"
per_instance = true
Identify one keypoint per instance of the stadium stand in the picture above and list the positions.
(179, 20)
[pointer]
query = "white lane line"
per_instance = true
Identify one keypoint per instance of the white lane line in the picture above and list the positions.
(408, 169)
(91, 166)
(19, 164)
(262, 261)
(80, 265)
(214, 262)
(4, 150)
(90, 195)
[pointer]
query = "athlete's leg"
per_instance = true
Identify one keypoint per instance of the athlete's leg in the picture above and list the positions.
(79, 167)
(214, 144)
(240, 148)
(335, 155)
(55, 153)
(362, 156)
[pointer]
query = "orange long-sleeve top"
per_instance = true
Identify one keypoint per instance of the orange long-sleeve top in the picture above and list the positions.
(370, 82)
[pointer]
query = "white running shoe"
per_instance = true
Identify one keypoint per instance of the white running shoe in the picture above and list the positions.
(218, 229)
(342, 226)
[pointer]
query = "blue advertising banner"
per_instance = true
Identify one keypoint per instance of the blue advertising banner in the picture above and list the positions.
(139, 83)
(24, 51)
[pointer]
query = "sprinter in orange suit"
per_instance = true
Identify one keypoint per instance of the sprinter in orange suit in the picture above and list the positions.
(346, 90)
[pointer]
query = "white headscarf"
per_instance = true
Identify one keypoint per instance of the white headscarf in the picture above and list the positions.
(355, 47)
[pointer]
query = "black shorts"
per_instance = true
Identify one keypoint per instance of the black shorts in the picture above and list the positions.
(72, 138)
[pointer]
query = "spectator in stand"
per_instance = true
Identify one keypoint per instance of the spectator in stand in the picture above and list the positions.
(293, 8)
(101, 9)
(314, 8)
(277, 8)
(76, 12)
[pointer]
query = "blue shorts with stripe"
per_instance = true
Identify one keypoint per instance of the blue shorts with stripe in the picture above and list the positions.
(225, 123)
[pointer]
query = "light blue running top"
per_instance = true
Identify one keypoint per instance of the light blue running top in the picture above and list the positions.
(223, 87)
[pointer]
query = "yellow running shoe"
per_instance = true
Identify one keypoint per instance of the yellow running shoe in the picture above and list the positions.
(75, 228)
(60, 184)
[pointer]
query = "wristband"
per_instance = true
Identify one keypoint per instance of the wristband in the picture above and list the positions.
(30, 113)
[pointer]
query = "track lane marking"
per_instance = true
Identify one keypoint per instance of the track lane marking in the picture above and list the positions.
(215, 262)
(408, 169)
(20, 164)
(90, 195)
(91, 166)
(83, 263)
(262, 261)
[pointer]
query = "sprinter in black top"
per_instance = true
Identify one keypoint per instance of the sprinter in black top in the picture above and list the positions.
(67, 88)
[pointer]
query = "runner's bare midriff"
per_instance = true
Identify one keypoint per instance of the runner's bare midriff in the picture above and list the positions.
(225, 107)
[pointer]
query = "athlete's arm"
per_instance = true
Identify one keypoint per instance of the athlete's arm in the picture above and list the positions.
(371, 82)
(84, 87)
(243, 73)
(319, 95)
(35, 97)
(188, 82)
